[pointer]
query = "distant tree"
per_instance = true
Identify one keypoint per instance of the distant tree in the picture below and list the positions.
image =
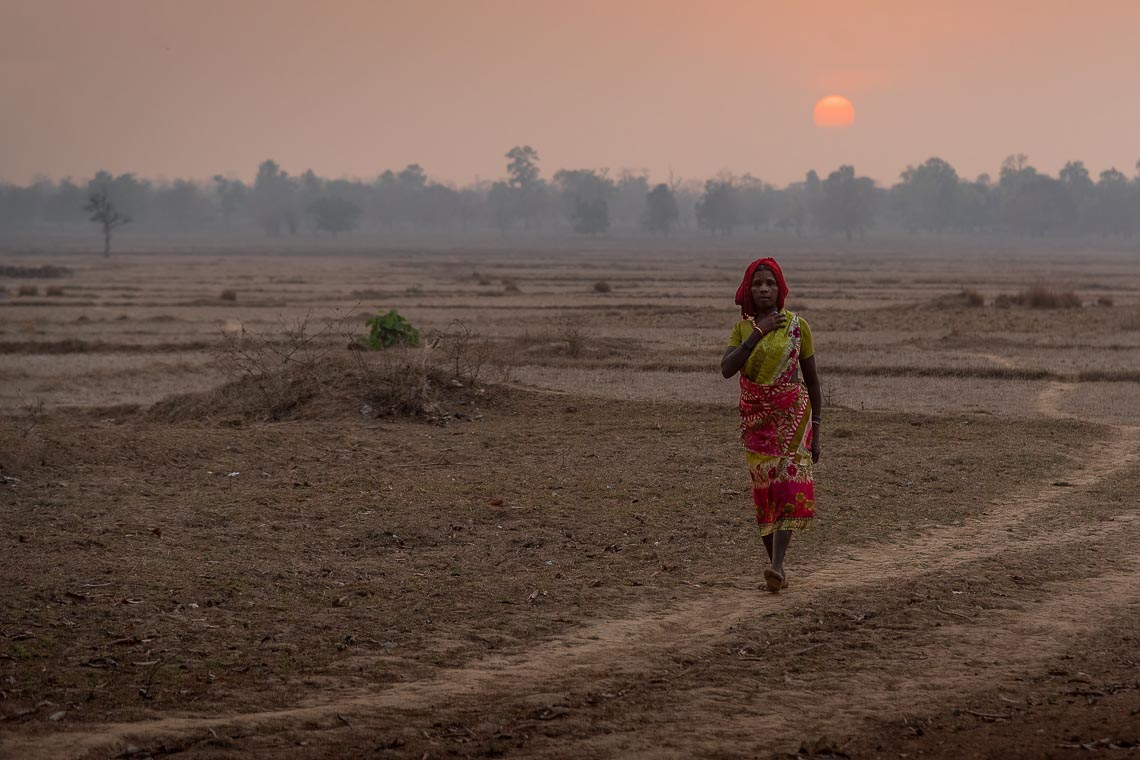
(661, 211)
(500, 200)
(182, 204)
(1113, 204)
(230, 193)
(1014, 165)
(591, 216)
(811, 198)
(441, 205)
(469, 205)
(978, 210)
(717, 208)
(65, 204)
(103, 212)
(627, 205)
(929, 195)
(846, 202)
(1079, 187)
(273, 192)
(790, 211)
(1074, 174)
(581, 191)
(1038, 205)
(412, 177)
(1031, 203)
(522, 173)
(522, 168)
(754, 201)
(334, 214)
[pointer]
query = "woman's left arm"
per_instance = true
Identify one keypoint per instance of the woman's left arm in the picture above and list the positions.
(811, 380)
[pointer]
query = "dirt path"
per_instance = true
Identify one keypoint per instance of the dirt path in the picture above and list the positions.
(636, 645)
(921, 672)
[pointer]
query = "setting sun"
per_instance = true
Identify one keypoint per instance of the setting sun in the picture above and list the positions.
(834, 111)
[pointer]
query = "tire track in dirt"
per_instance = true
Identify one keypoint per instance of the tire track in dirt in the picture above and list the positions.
(997, 648)
(635, 644)
(1049, 400)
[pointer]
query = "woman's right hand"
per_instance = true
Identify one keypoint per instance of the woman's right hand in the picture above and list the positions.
(770, 322)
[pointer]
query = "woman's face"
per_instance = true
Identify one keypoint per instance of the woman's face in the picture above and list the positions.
(765, 290)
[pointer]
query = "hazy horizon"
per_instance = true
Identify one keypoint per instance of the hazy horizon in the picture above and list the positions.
(167, 89)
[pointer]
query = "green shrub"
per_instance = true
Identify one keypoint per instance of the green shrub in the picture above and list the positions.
(387, 330)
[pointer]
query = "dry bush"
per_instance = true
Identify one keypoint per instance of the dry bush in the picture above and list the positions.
(397, 381)
(304, 369)
(601, 286)
(831, 396)
(965, 299)
(22, 448)
(465, 354)
(32, 414)
(54, 290)
(575, 341)
(283, 369)
(28, 290)
(435, 381)
(1039, 297)
(1104, 301)
(510, 286)
(228, 295)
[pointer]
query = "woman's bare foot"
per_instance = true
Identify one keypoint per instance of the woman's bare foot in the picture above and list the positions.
(773, 581)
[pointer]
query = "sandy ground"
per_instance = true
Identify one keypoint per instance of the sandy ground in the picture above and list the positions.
(560, 560)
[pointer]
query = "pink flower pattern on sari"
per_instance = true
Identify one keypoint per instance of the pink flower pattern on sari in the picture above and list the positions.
(775, 431)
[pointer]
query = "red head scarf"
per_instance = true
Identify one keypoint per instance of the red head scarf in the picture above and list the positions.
(744, 292)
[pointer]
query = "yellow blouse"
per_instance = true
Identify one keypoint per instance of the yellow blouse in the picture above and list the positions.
(770, 359)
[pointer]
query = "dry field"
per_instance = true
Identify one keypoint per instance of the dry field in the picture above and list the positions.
(557, 559)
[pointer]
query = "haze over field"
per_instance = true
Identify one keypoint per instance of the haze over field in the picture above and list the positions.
(163, 88)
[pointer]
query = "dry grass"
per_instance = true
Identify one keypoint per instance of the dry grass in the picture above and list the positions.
(1110, 376)
(42, 272)
(967, 298)
(77, 346)
(28, 290)
(54, 290)
(1039, 297)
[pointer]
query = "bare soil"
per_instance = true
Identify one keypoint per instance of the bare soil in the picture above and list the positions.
(559, 559)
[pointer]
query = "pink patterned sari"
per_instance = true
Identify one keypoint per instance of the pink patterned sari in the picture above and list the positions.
(775, 428)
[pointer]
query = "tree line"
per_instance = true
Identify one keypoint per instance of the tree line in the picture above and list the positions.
(929, 198)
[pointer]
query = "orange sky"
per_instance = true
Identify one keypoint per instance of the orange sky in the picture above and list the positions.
(169, 88)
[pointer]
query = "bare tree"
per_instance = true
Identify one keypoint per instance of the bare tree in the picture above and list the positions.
(104, 212)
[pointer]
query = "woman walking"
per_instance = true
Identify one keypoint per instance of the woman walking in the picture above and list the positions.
(779, 415)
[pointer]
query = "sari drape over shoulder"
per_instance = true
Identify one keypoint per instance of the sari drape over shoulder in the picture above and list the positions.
(775, 429)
